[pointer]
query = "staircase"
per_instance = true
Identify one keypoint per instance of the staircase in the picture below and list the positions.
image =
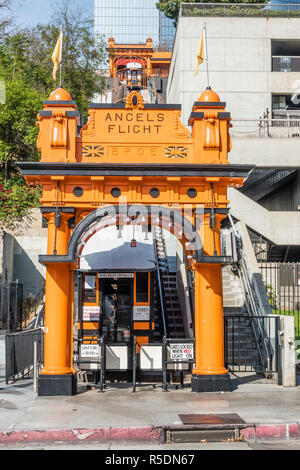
(168, 283)
(241, 353)
(263, 182)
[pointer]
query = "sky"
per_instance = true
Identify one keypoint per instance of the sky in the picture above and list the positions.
(31, 12)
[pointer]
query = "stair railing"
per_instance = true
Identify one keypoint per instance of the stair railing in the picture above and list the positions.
(252, 304)
(160, 288)
(168, 281)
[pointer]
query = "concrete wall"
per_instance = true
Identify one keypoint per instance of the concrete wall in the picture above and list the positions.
(239, 52)
(20, 250)
(264, 152)
(279, 227)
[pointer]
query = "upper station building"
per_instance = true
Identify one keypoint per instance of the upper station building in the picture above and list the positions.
(254, 64)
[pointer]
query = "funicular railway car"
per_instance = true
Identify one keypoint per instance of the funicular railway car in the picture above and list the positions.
(115, 300)
(134, 78)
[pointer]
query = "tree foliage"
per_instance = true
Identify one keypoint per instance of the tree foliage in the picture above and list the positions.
(82, 55)
(6, 19)
(171, 7)
(26, 75)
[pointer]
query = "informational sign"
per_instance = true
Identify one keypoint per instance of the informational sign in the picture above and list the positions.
(141, 313)
(89, 350)
(134, 65)
(181, 351)
(116, 275)
(90, 313)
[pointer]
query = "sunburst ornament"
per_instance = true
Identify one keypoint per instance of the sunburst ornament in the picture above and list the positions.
(134, 100)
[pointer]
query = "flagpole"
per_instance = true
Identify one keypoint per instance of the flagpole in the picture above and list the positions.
(206, 55)
(60, 62)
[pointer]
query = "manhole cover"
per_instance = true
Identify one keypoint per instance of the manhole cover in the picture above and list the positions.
(211, 419)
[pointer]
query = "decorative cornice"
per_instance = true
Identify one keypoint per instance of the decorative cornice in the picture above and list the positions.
(132, 169)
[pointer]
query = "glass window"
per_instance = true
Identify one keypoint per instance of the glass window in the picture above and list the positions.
(90, 289)
(142, 286)
(132, 21)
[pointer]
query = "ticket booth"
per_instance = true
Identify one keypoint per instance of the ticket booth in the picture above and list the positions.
(116, 307)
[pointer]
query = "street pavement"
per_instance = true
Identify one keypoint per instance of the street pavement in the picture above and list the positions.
(258, 401)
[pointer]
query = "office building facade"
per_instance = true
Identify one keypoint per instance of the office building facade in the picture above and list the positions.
(132, 21)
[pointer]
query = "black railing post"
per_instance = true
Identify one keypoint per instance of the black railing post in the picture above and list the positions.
(134, 365)
(7, 365)
(102, 365)
(164, 355)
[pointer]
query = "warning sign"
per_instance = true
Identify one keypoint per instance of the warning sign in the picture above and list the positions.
(181, 352)
(89, 350)
(91, 314)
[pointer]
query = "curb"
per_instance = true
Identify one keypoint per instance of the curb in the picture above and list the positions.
(102, 435)
(149, 434)
(272, 431)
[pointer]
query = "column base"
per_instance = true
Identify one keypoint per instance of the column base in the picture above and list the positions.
(55, 385)
(211, 383)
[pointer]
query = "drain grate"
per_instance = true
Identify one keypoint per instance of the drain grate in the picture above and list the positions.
(202, 435)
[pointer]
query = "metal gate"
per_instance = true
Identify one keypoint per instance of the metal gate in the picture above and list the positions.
(251, 343)
(11, 306)
(19, 353)
(282, 281)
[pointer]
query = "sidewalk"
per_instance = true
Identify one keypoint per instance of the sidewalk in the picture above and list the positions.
(269, 410)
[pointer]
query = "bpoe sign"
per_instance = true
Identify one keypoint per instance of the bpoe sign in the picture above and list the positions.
(181, 351)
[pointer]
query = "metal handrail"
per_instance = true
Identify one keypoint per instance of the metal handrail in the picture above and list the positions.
(261, 183)
(160, 289)
(286, 56)
(158, 98)
(252, 305)
(168, 281)
(285, 127)
(253, 309)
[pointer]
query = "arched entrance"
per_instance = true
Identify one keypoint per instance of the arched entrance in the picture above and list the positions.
(143, 155)
(171, 220)
(97, 278)
(116, 255)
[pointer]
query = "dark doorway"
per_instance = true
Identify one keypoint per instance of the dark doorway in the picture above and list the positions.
(116, 300)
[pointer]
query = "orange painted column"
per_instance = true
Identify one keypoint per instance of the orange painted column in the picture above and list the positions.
(209, 333)
(58, 313)
(57, 339)
(209, 373)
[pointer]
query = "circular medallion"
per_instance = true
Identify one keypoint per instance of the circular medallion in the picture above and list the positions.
(115, 192)
(192, 193)
(78, 191)
(154, 192)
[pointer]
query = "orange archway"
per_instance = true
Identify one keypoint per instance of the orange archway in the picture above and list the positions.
(136, 156)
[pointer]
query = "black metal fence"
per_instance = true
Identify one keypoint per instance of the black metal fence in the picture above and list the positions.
(19, 353)
(11, 306)
(282, 281)
(251, 343)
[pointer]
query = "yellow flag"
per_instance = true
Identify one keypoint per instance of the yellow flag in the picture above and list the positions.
(201, 54)
(56, 56)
